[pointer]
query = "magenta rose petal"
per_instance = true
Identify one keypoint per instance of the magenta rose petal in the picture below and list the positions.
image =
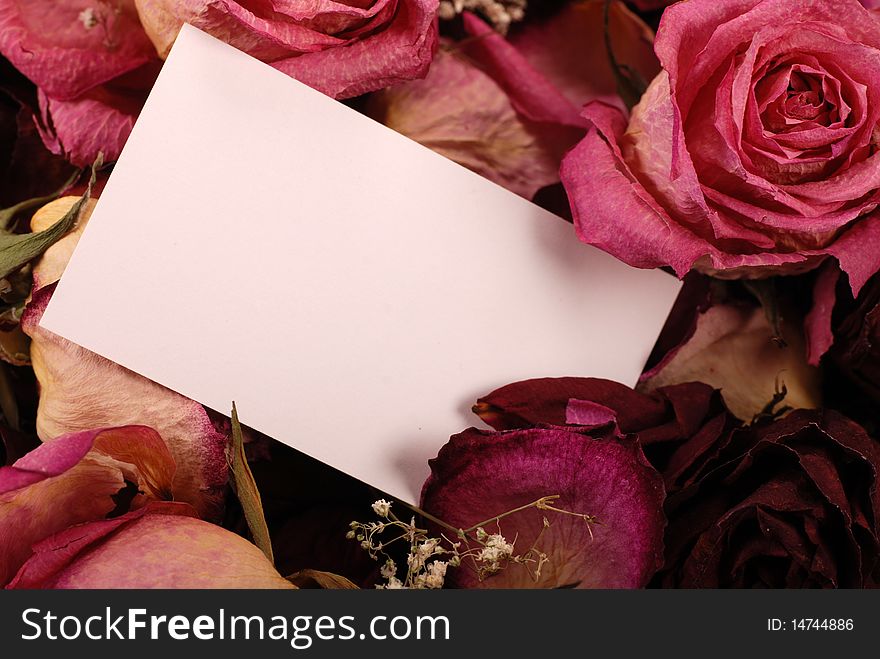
(600, 189)
(581, 70)
(65, 53)
(98, 121)
(74, 479)
(479, 474)
(402, 51)
(817, 325)
(341, 49)
(162, 545)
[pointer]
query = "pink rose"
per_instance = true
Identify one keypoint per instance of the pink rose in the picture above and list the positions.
(343, 48)
(751, 154)
(92, 64)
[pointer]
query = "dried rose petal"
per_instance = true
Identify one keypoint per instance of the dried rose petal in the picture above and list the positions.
(80, 390)
(733, 350)
(461, 113)
(158, 546)
(480, 474)
(681, 428)
(98, 121)
(341, 49)
(74, 479)
(49, 41)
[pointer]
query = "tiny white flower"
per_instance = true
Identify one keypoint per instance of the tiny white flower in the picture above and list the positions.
(87, 18)
(389, 570)
(382, 508)
(394, 584)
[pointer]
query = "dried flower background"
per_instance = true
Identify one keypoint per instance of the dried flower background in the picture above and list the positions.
(732, 142)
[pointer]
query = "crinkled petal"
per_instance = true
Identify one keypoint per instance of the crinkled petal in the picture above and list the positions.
(158, 546)
(49, 42)
(340, 50)
(74, 479)
(580, 69)
(461, 113)
(817, 325)
(733, 350)
(479, 475)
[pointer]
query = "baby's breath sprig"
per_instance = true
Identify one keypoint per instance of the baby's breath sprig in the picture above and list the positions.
(428, 558)
(500, 13)
(103, 15)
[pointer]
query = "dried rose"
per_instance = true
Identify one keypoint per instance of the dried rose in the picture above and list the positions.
(78, 478)
(481, 474)
(158, 546)
(751, 153)
(92, 63)
(80, 390)
(340, 48)
(794, 503)
(680, 428)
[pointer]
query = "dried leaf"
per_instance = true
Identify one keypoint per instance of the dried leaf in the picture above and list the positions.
(18, 249)
(320, 579)
(247, 491)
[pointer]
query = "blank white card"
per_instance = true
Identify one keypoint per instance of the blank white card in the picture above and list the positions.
(351, 290)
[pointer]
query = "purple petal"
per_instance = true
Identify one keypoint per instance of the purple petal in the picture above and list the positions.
(479, 475)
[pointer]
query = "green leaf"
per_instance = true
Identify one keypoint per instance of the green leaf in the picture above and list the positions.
(17, 249)
(8, 214)
(320, 579)
(247, 492)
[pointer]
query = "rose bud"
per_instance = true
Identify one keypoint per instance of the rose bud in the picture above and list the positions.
(750, 154)
(340, 48)
(479, 475)
(158, 546)
(78, 478)
(790, 504)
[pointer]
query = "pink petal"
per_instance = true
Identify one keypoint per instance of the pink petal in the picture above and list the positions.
(461, 113)
(533, 96)
(81, 390)
(588, 413)
(602, 190)
(480, 474)
(99, 121)
(338, 49)
(74, 479)
(158, 546)
(817, 324)
(48, 42)
(581, 69)
(732, 349)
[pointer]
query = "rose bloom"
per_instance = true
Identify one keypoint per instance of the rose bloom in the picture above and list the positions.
(789, 504)
(751, 154)
(343, 48)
